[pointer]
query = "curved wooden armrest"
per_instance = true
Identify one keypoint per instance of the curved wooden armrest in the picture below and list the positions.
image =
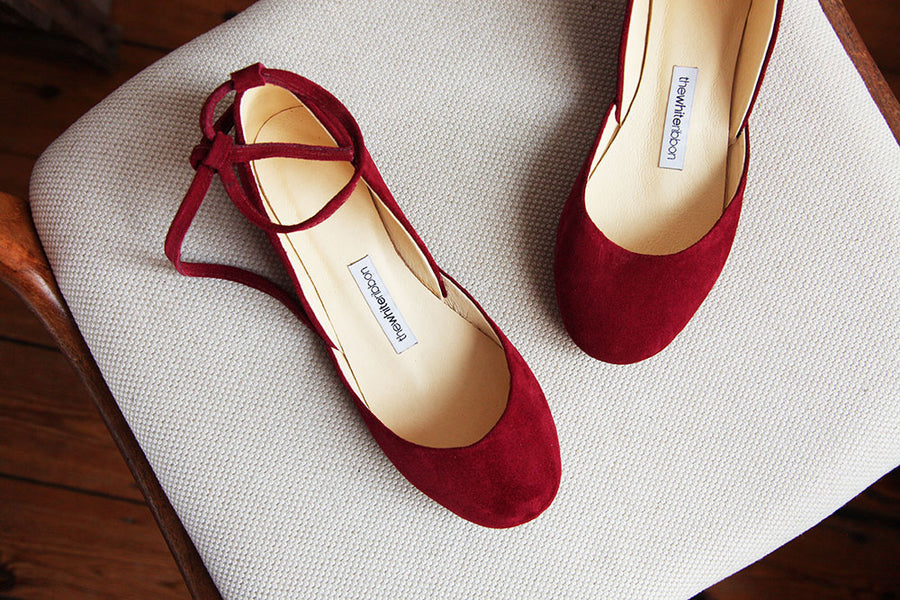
(24, 268)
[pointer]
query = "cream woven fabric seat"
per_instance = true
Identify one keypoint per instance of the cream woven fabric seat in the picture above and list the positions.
(777, 404)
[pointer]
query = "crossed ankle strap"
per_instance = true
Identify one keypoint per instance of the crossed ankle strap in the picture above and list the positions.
(218, 153)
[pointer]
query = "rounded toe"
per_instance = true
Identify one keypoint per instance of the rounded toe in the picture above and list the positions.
(610, 339)
(622, 307)
(507, 478)
(521, 490)
(513, 474)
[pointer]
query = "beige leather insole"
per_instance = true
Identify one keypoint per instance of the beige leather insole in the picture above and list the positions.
(449, 389)
(634, 202)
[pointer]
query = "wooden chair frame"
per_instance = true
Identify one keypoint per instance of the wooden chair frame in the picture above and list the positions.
(24, 268)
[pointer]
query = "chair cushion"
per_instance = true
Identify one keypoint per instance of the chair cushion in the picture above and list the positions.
(776, 405)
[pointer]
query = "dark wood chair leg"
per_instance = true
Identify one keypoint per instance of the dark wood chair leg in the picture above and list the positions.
(24, 268)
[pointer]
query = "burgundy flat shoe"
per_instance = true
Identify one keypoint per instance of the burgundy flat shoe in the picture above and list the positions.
(441, 389)
(653, 214)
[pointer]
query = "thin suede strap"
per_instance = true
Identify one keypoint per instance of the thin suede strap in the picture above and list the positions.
(336, 118)
(218, 153)
(175, 238)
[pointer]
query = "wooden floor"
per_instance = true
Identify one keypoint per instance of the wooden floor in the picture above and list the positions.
(72, 523)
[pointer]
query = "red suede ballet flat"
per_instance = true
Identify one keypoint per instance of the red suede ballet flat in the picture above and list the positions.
(441, 389)
(651, 219)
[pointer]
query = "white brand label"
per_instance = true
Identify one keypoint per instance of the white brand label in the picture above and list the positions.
(379, 300)
(678, 117)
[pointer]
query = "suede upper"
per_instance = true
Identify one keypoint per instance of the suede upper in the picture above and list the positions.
(505, 479)
(621, 306)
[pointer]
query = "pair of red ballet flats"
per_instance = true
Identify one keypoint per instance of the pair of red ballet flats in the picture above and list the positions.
(642, 239)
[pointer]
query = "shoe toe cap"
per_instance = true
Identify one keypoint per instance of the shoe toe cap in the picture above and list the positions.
(622, 307)
(505, 479)
(512, 475)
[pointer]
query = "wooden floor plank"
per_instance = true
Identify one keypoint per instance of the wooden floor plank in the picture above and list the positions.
(167, 25)
(15, 172)
(51, 431)
(62, 544)
(19, 323)
(878, 22)
(854, 554)
(41, 98)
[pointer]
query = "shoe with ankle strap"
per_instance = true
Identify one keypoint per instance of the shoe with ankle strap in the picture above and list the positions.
(444, 393)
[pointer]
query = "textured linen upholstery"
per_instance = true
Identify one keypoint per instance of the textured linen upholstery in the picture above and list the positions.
(777, 404)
